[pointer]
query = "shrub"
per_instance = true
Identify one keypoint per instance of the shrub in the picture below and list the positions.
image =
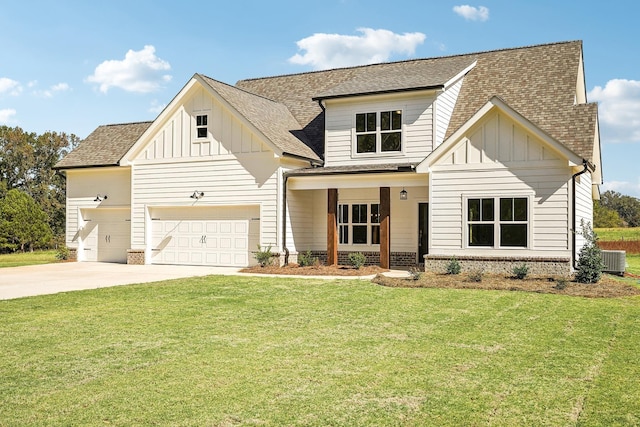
(561, 283)
(476, 276)
(453, 267)
(357, 259)
(62, 253)
(264, 257)
(590, 263)
(521, 271)
(415, 273)
(305, 259)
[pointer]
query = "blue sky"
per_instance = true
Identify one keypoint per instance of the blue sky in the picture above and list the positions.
(71, 66)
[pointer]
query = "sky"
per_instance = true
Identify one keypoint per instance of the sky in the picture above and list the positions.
(71, 66)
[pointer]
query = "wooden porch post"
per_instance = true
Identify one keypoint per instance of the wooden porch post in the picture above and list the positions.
(332, 226)
(385, 229)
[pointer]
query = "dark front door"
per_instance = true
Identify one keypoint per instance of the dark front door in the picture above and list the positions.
(423, 231)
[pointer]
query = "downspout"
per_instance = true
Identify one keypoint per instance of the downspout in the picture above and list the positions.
(573, 212)
(284, 219)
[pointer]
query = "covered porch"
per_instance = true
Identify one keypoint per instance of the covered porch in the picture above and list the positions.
(380, 211)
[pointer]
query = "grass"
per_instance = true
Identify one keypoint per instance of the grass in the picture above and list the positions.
(270, 351)
(614, 234)
(19, 259)
(633, 262)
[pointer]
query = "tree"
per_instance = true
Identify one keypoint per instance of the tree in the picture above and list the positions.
(23, 224)
(604, 217)
(627, 207)
(26, 163)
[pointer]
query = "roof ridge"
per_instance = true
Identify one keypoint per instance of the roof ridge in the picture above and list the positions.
(240, 89)
(458, 55)
(129, 123)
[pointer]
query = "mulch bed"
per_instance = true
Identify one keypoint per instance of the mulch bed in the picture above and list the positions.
(607, 287)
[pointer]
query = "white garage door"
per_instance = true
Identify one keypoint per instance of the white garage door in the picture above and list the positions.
(201, 242)
(106, 235)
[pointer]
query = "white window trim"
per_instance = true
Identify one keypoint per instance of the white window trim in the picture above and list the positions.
(378, 153)
(496, 222)
(350, 224)
(196, 138)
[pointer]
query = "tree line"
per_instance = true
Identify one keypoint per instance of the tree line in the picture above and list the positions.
(32, 194)
(616, 210)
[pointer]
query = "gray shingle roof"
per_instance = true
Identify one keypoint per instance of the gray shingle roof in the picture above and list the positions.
(537, 81)
(105, 146)
(271, 118)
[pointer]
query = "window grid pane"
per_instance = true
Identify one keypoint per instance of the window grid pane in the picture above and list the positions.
(360, 234)
(481, 235)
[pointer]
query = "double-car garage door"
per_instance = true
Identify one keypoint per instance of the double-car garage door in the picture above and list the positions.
(220, 236)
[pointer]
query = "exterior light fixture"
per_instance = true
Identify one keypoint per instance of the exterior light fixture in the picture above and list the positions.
(197, 195)
(100, 198)
(403, 194)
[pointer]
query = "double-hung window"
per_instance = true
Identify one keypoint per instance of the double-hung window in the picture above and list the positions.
(379, 132)
(201, 126)
(504, 220)
(359, 224)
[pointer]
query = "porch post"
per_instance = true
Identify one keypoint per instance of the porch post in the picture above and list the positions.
(385, 229)
(332, 226)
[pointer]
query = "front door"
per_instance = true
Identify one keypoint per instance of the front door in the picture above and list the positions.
(423, 231)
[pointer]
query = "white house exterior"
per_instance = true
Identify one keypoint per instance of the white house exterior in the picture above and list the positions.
(491, 157)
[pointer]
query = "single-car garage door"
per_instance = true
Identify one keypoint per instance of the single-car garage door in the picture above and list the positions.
(178, 238)
(106, 235)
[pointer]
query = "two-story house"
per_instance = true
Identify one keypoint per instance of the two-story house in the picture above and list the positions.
(491, 157)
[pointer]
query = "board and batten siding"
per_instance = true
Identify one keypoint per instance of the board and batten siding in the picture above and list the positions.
(501, 159)
(417, 130)
(83, 185)
(177, 138)
(444, 109)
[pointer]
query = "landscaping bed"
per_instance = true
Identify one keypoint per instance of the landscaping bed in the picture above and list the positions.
(607, 287)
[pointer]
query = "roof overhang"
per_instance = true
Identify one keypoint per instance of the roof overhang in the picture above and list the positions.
(379, 92)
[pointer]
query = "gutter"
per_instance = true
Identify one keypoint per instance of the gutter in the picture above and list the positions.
(587, 166)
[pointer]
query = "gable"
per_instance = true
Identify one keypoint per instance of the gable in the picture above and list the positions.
(498, 139)
(177, 137)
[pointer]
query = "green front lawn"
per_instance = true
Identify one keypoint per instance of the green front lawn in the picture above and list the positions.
(19, 259)
(271, 351)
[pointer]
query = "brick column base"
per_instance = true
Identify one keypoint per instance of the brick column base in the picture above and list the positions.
(135, 256)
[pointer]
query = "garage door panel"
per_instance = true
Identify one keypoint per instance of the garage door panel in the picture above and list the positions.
(201, 242)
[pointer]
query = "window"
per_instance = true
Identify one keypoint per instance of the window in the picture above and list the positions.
(511, 223)
(201, 126)
(359, 223)
(379, 132)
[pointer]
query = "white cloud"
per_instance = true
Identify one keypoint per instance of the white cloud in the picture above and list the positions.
(139, 71)
(623, 187)
(618, 110)
(323, 51)
(10, 86)
(48, 93)
(6, 115)
(471, 13)
(156, 107)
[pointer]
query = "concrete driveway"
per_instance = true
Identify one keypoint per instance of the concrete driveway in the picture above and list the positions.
(17, 282)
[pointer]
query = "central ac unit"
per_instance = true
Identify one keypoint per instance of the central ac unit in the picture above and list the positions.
(614, 262)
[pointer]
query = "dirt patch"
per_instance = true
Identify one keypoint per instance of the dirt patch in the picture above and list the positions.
(607, 287)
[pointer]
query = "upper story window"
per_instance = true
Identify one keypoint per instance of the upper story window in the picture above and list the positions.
(509, 226)
(379, 132)
(201, 126)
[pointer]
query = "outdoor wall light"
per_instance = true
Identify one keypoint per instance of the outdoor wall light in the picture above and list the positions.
(100, 198)
(403, 194)
(197, 195)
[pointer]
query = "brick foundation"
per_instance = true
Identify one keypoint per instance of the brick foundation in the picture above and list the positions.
(135, 256)
(538, 266)
(73, 254)
(398, 259)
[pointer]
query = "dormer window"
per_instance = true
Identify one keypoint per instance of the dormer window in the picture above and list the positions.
(379, 132)
(201, 126)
